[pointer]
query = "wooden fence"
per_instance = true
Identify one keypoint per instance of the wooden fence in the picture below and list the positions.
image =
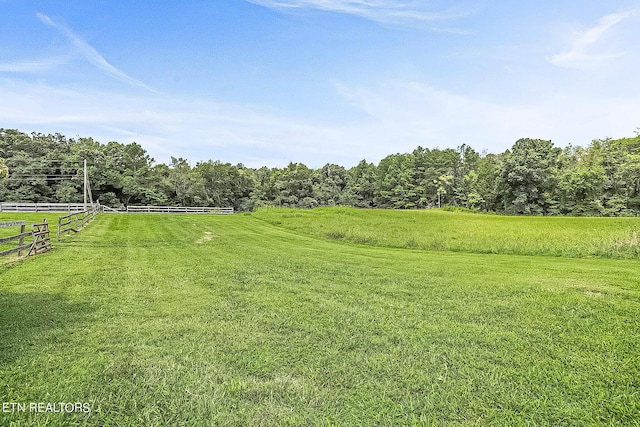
(41, 207)
(72, 208)
(19, 237)
(40, 241)
(171, 209)
(77, 221)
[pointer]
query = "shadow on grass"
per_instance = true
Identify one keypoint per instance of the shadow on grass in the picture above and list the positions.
(28, 320)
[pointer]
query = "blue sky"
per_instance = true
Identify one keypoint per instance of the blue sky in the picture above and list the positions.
(265, 82)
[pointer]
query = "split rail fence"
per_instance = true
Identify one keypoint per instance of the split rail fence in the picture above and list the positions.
(39, 234)
(41, 241)
(19, 237)
(41, 207)
(76, 221)
(171, 209)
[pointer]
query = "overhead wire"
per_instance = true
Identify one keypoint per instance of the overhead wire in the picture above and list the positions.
(33, 179)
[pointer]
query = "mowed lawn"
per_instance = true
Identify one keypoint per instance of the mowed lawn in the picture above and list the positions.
(201, 320)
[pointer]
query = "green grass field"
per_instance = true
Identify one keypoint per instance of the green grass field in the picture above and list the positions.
(466, 232)
(326, 317)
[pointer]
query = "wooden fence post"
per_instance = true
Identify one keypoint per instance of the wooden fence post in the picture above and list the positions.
(21, 241)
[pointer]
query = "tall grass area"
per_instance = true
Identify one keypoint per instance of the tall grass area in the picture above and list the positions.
(442, 230)
(202, 320)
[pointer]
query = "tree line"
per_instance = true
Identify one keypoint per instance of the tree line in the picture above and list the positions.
(532, 178)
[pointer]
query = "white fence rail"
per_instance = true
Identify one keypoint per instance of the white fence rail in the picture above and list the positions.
(79, 207)
(43, 207)
(171, 209)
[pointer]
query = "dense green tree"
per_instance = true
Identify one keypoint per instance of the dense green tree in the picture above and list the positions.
(430, 166)
(264, 191)
(395, 186)
(158, 190)
(360, 185)
(328, 184)
(527, 175)
(621, 162)
(486, 184)
(295, 183)
(443, 186)
(465, 179)
(180, 182)
(222, 184)
(34, 164)
(4, 170)
(244, 187)
(122, 169)
(136, 173)
(66, 192)
(534, 177)
(580, 181)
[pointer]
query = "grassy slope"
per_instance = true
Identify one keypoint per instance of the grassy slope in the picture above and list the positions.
(156, 322)
(467, 232)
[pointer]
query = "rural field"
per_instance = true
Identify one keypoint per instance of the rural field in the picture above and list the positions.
(329, 316)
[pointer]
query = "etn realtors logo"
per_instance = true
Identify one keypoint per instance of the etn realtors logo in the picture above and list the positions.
(44, 407)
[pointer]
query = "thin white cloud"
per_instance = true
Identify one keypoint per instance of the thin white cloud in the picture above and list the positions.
(34, 65)
(581, 52)
(194, 129)
(91, 54)
(383, 11)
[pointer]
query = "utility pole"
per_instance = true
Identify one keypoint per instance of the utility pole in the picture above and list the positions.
(85, 184)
